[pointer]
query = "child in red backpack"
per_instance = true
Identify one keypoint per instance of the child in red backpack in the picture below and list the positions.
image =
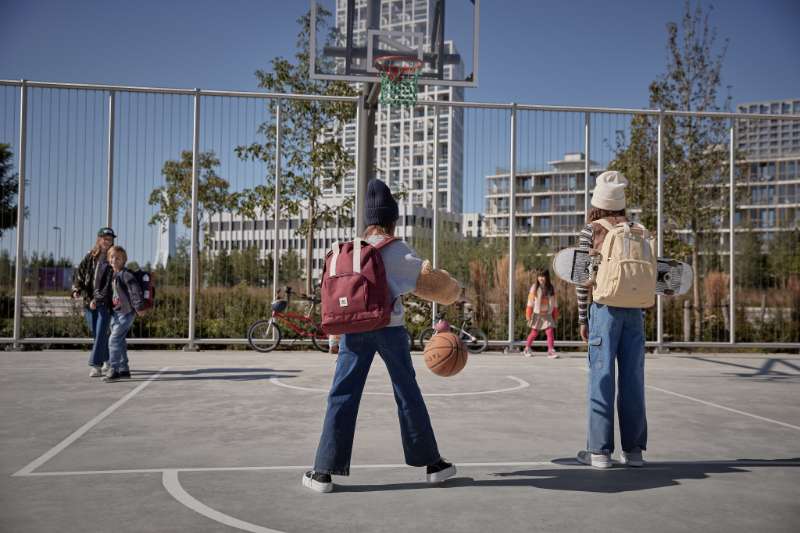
(405, 273)
(542, 312)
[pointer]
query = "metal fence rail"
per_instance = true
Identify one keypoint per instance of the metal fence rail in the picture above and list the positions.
(88, 155)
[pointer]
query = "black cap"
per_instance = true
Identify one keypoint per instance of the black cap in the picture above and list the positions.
(106, 232)
(380, 206)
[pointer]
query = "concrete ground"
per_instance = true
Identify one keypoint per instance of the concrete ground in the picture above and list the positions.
(218, 441)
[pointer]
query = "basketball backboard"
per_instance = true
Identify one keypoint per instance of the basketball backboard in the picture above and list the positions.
(348, 35)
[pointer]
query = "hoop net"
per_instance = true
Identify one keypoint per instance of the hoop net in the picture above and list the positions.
(399, 75)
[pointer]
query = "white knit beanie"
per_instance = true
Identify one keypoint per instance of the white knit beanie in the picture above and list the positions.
(609, 191)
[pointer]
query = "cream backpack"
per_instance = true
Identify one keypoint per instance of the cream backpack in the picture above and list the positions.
(626, 276)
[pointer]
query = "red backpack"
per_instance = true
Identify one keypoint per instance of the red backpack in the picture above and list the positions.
(355, 295)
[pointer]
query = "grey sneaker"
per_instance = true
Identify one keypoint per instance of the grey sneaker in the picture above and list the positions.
(317, 481)
(634, 459)
(527, 352)
(95, 372)
(597, 460)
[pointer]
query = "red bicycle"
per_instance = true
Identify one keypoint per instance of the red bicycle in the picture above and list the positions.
(265, 335)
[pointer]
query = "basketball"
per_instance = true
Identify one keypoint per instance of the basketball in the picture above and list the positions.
(445, 354)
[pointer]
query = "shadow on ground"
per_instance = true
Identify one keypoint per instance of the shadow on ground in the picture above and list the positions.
(585, 479)
(221, 374)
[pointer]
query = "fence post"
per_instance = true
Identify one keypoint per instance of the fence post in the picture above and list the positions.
(586, 165)
(512, 223)
(660, 230)
(20, 260)
(276, 248)
(687, 321)
(193, 270)
(435, 202)
(110, 169)
(731, 221)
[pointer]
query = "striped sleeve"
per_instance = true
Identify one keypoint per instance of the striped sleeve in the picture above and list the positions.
(584, 296)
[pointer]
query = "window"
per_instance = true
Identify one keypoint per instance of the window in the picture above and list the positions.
(236, 225)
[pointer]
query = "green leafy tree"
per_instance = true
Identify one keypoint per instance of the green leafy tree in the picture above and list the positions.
(8, 190)
(313, 156)
(219, 269)
(695, 148)
(176, 271)
(174, 198)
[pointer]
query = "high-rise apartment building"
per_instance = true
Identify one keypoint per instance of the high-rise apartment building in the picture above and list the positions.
(549, 203)
(404, 144)
(769, 183)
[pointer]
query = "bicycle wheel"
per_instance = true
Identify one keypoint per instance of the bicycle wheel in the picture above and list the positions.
(474, 339)
(425, 336)
(320, 341)
(263, 336)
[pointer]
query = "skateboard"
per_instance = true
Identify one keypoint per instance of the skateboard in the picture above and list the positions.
(576, 266)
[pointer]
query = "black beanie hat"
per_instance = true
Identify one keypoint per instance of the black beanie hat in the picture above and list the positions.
(380, 206)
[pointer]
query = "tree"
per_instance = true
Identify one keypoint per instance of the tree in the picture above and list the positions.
(310, 132)
(174, 198)
(8, 190)
(695, 148)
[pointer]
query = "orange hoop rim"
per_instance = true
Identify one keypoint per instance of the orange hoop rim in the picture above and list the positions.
(397, 72)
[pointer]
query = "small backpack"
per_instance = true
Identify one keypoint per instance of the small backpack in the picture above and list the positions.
(626, 276)
(147, 284)
(355, 294)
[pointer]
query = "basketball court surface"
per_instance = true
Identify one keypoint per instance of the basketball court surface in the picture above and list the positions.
(218, 441)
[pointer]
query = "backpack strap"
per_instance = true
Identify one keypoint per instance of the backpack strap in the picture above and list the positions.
(357, 256)
(605, 223)
(335, 249)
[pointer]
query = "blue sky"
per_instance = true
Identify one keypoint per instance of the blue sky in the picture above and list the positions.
(578, 52)
(570, 53)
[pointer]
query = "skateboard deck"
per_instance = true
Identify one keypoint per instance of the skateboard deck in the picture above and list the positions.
(576, 266)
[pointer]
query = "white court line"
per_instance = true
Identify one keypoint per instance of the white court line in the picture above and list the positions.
(521, 384)
(173, 486)
(78, 433)
(718, 406)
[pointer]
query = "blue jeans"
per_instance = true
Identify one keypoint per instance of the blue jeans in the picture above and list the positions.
(117, 347)
(616, 333)
(97, 320)
(356, 351)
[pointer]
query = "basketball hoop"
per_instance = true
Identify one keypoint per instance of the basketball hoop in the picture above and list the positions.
(399, 76)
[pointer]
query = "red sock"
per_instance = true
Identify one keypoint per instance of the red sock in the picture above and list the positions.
(551, 339)
(531, 338)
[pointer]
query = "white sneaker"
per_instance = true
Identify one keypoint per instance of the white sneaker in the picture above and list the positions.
(95, 372)
(551, 354)
(527, 353)
(105, 368)
(634, 459)
(440, 471)
(318, 482)
(597, 460)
